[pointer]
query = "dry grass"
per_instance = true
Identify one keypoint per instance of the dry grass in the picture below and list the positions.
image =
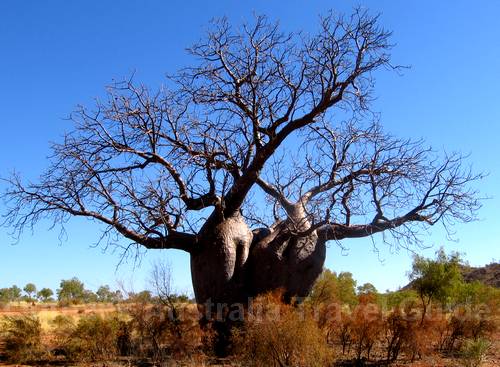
(47, 312)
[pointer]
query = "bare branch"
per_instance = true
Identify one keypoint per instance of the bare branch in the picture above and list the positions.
(268, 84)
(355, 182)
(160, 166)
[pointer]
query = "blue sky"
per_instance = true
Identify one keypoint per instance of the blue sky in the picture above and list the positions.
(56, 54)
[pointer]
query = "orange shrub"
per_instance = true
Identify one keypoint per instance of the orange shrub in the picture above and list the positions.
(366, 327)
(276, 334)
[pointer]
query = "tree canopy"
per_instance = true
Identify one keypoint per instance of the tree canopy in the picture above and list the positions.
(71, 290)
(30, 290)
(145, 162)
(436, 279)
(332, 288)
(45, 294)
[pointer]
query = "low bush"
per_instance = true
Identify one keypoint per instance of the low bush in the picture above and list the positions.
(466, 323)
(473, 352)
(276, 334)
(396, 334)
(162, 332)
(62, 329)
(93, 338)
(366, 327)
(22, 337)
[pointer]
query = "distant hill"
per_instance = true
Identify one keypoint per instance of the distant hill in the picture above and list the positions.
(488, 274)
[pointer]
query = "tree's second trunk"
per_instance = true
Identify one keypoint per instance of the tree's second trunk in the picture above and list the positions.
(292, 265)
(234, 263)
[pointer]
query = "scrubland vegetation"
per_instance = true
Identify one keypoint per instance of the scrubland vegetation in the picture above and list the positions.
(438, 319)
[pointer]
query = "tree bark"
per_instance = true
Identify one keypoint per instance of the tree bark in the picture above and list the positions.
(233, 263)
(218, 264)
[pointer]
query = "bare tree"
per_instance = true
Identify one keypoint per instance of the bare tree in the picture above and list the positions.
(161, 282)
(261, 113)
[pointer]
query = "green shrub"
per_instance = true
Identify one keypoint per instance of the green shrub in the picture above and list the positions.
(401, 299)
(22, 336)
(473, 352)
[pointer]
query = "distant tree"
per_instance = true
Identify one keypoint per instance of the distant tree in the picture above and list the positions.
(475, 294)
(367, 288)
(435, 279)
(141, 297)
(11, 294)
(71, 290)
(162, 284)
(103, 293)
(325, 288)
(331, 288)
(181, 298)
(30, 290)
(398, 298)
(45, 295)
(89, 296)
(347, 288)
(15, 293)
(106, 295)
(4, 295)
(117, 296)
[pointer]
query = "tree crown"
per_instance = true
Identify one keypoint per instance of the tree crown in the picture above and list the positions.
(261, 113)
(436, 279)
